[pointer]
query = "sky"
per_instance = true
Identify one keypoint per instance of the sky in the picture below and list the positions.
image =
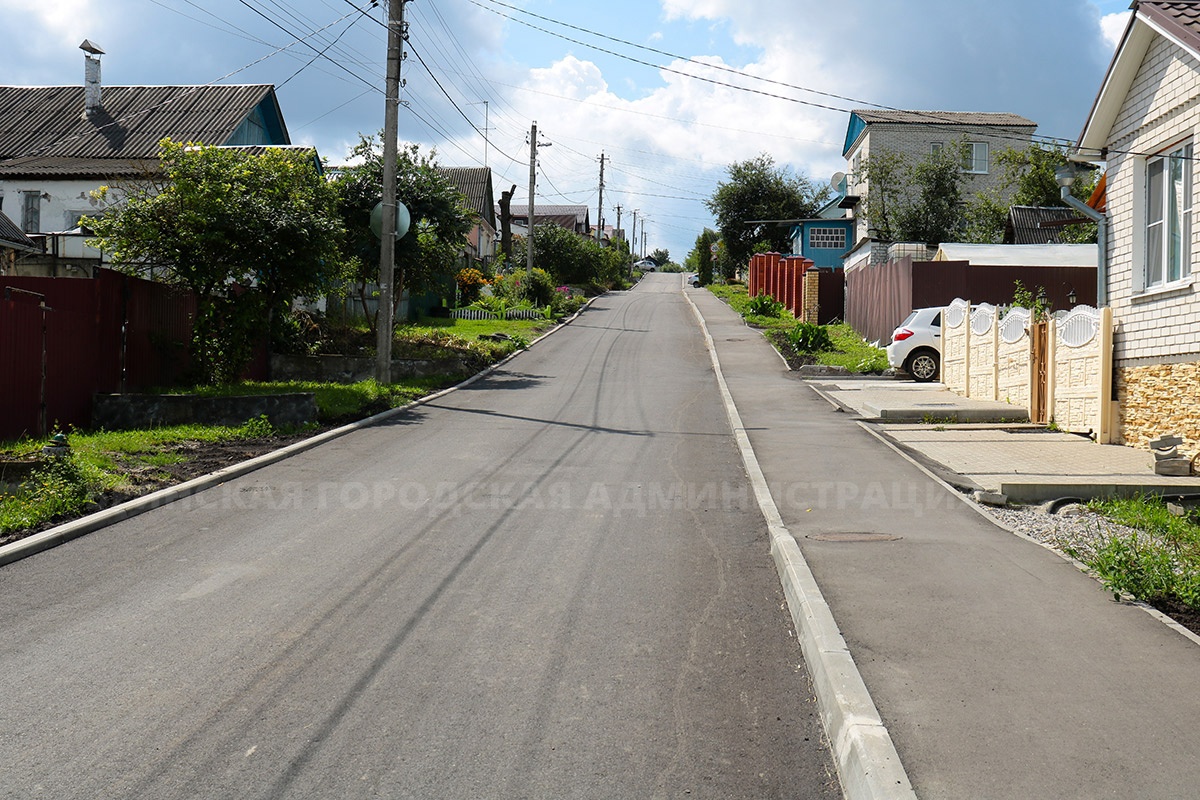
(670, 91)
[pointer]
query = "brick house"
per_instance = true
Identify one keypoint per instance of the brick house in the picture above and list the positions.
(1143, 124)
(914, 135)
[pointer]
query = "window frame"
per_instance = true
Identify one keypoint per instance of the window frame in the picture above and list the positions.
(1167, 219)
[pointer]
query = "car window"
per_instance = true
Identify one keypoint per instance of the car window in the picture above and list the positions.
(937, 320)
(908, 319)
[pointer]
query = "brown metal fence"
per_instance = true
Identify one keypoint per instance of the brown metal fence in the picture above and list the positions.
(879, 297)
(64, 339)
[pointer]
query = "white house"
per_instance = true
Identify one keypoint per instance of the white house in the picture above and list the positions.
(1144, 123)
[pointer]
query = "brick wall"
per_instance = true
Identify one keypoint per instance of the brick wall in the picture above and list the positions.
(1160, 399)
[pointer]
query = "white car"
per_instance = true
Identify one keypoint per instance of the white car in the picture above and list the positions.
(916, 345)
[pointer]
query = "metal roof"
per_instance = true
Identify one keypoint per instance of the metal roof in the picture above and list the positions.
(49, 121)
(12, 236)
(1180, 18)
(476, 184)
(975, 118)
(1024, 224)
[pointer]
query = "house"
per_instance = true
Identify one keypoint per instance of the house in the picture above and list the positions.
(60, 143)
(476, 185)
(914, 135)
(1143, 124)
(573, 218)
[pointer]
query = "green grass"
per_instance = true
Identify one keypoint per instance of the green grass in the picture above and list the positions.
(334, 400)
(1158, 564)
(470, 329)
(849, 349)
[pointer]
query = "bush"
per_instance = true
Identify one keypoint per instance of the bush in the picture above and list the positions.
(470, 281)
(764, 305)
(809, 338)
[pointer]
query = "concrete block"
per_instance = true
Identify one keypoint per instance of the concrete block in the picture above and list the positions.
(989, 498)
(1173, 466)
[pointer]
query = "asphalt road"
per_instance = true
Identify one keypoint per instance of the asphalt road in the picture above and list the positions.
(554, 583)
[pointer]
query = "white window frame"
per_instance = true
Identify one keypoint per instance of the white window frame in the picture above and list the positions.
(31, 211)
(1166, 219)
(976, 156)
(827, 233)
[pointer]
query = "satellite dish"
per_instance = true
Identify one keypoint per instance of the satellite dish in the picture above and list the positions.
(403, 220)
(838, 182)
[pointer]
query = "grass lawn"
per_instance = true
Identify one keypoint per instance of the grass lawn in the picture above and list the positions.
(849, 348)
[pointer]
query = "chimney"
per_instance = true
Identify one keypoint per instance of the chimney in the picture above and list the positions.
(91, 77)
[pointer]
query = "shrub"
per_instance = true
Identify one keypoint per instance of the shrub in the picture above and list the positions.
(809, 338)
(764, 305)
(470, 281)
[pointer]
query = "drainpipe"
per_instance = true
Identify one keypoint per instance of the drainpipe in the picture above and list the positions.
(1065, 175)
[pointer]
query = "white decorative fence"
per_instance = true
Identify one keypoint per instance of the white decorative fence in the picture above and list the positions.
(992, 358)
(481, 313)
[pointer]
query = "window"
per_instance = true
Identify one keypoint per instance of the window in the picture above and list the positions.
(1168, 217)
(827, 238)
(975, 156)
(31, 212)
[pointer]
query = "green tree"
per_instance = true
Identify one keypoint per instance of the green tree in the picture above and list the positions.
(246, 233)
(757, 190)
(1028, 180)
(661, 256)
(440, 215)
(700, 259)
(572, 259)
(931, 211)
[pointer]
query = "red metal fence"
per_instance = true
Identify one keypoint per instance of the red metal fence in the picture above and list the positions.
(64, 339)
(784, 278)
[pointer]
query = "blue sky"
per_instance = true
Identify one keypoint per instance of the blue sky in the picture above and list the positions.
(668, 138)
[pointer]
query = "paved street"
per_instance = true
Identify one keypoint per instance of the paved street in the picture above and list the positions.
(554, 583)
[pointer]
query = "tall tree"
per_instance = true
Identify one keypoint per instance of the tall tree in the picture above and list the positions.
(247, 233)
(440, 215)
(758, 190)
(700, 260)
(661, 256)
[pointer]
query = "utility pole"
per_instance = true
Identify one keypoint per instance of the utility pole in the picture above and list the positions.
(618, 228)
(397, 34)
(633, 242)
(643, 235)
(532, 186)
(600, 204)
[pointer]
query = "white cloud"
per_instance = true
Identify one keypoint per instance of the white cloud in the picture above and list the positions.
(1113, 26)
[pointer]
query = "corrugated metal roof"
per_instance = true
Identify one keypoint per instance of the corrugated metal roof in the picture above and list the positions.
(1024, 224)
(12, 236)
(476, 184)
(978, 118)
(102, 168)
(49, 121)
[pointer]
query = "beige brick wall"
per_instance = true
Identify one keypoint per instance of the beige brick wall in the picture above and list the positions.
(812, 289)
(1160, 399)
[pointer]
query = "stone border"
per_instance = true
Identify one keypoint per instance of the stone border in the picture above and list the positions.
(76, 528)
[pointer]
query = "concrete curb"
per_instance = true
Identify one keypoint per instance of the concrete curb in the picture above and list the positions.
(868, 766)
(60, 534)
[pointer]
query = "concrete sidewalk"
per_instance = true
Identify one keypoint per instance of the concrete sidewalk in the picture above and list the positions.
(998, 668)
(1027, 463)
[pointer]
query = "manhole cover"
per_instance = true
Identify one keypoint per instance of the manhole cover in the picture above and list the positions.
(852, 536)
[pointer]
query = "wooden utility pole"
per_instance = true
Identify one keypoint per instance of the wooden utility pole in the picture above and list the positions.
(506, 225)
(387, 241)
(532, 186)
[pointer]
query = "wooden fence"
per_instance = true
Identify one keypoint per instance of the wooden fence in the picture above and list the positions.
(811, 294)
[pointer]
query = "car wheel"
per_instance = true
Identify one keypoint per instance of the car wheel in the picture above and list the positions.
(923, 366)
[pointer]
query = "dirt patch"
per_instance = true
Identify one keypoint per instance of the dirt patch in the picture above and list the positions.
(794, 359)
(199, 458)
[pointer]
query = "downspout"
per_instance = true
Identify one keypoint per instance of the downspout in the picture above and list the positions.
(1101, 220)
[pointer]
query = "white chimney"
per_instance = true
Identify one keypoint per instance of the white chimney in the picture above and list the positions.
(91, 77)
